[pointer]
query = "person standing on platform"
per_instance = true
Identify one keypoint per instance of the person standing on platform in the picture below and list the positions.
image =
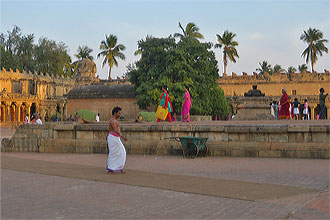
(186, 104)
(165, 102)
(322, 104)
(117, 153)
(284, 105)
(296, 104)
(97, 118)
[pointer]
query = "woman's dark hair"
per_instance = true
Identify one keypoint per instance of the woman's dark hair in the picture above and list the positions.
(321, 90)
(115, 110)
(305, 100)
(295, 99)
(187, 87)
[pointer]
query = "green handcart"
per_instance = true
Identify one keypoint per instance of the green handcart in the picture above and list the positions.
(192, 146)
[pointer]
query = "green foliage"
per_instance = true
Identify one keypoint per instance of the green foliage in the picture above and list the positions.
(111, 52)
(83, 52)
(147, 116)
(313, 38)
(52, 117)
(86, 114)
(186, 63)
(18, 51)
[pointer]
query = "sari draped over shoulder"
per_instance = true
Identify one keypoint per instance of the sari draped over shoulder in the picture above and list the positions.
(185, 115)
(165, 101)
(284, 106)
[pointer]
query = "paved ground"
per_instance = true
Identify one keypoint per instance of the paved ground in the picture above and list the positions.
(26, 195)
(35, 196)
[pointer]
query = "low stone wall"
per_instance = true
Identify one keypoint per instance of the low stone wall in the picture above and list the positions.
(236, 139)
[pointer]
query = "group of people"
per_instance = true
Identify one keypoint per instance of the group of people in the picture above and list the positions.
(35, 119)
(287, 110)
(165, 102)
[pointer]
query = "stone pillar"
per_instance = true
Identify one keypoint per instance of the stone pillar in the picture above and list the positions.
(28, 106)
(7, 108)
(18, 110)
(312, 112)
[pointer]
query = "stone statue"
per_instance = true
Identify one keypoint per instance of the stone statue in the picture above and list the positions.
(254, 92)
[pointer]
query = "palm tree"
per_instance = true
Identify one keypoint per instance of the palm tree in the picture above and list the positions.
(110, 52)
(264, 68)
(83, 52)
(229, 50)
(302, 68)
(291, 69)
(190, 31)
(313, 38)
(277, 68)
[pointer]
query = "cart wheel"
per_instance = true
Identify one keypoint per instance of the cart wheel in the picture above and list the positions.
(185, 151)
(193, 150)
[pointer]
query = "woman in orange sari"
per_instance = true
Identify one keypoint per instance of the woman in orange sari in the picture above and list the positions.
(284, 105)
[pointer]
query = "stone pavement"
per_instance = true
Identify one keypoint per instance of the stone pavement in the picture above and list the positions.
(26, 195)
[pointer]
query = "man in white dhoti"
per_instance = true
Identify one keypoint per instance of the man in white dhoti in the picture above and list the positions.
(117, 153)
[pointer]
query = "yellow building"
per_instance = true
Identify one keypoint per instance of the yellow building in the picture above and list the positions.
(298, 85)
(23, 93)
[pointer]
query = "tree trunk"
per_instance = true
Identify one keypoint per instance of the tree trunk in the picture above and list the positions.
(225, 63)
(109, 77)
(312, 67)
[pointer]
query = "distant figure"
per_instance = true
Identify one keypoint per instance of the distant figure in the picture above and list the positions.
(165, 102)
(296, 104)
(322, 104)
(275, 109)
(305, 111)
(284, 105)
(70, 118)
(76, 117)
(174, 117)
(97, 118)
(186, 104)
(34, 118)
(27, 119)
(56, 118)
(38, 121)
(117, 153)
(46, 117)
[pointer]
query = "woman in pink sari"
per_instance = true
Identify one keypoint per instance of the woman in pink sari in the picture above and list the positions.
(186, 104)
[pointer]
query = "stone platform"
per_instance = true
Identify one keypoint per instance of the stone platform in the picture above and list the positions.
(277, 139)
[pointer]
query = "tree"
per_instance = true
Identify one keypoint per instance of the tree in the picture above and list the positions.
(111, 51)
(264, 68)
(229, 51)
(83, 52)
(277, 68)
(19, 51)
(291, 69)
(191, 31)
(51, 57)
(313, 38)
(302, 67)
(190, 63)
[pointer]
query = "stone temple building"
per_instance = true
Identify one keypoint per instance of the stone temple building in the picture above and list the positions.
(24, 93)
(298, 85)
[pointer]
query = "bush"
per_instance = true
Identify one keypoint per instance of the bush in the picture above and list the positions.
(52, 118)
(86, 114)
(146, 116)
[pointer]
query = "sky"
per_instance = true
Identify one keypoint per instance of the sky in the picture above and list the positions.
(266, 30)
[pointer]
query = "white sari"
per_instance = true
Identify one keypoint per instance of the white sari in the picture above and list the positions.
(117, 154)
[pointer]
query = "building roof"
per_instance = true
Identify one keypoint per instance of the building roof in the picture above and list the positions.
(101, 91)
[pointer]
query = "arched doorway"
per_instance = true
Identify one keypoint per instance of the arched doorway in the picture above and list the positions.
(33, 109)
(23, 112)
(3, 112)
(12, 112)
